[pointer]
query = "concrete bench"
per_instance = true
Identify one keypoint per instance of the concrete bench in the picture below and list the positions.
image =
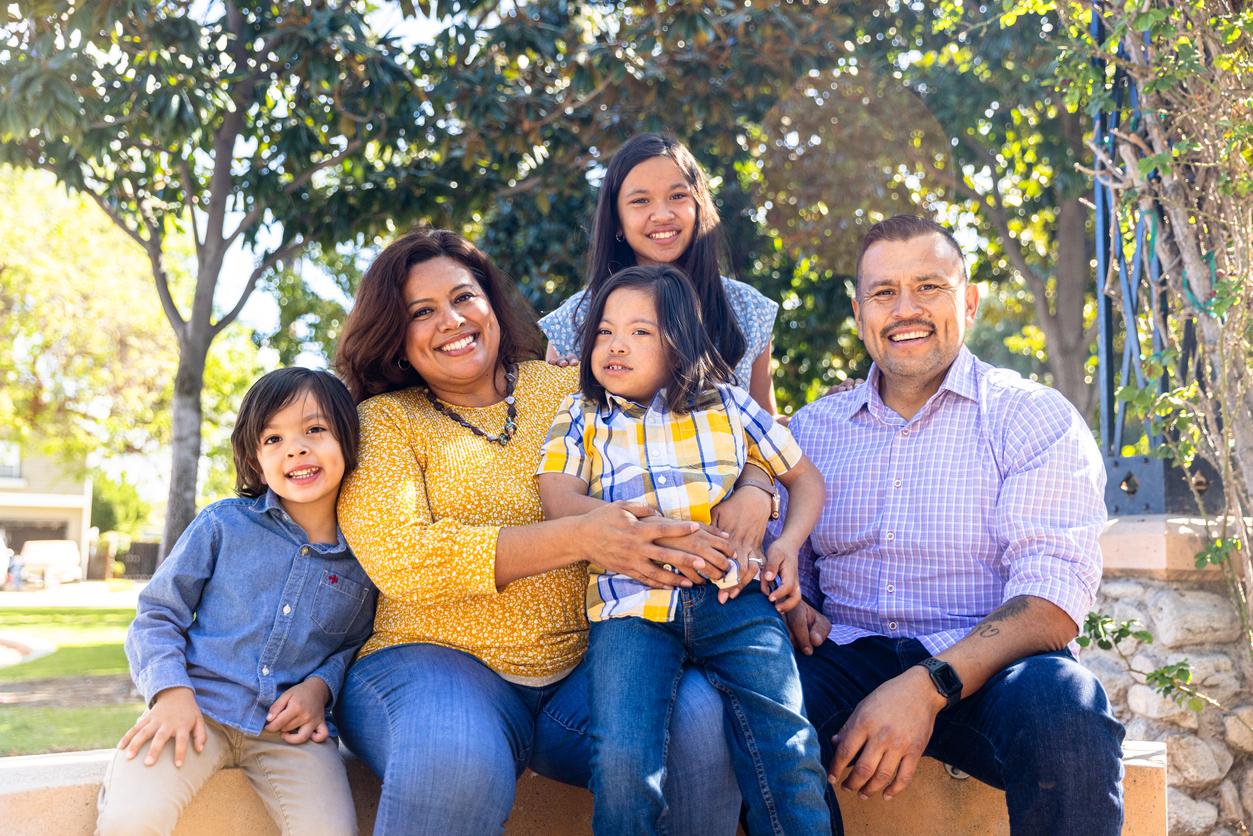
(56, 794)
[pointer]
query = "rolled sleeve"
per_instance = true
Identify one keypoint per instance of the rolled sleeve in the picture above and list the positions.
(768, 441)
(565, 451)
(1051, 507)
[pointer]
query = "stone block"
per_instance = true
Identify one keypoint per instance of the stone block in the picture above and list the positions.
(1187, 816)
(1120, 589)
(1239, 737)
(1230, 810)
(1193, 763)
(1154, 546)
(1146, 702)
(1191, 616)
(1112, 675)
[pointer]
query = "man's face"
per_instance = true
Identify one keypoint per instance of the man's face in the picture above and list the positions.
(913, 308)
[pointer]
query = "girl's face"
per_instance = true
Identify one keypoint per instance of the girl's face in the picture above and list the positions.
(657, 212)
(300, 459)
(453, 337)
(628, 358)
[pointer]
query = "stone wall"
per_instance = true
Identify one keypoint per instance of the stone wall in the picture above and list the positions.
(1209, 754)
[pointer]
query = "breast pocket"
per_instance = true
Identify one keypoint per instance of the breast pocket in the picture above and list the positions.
(337, 602)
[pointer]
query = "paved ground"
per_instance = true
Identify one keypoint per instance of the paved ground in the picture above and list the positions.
(85, 594)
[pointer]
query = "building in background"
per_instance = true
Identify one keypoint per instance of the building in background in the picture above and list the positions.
(43, 499)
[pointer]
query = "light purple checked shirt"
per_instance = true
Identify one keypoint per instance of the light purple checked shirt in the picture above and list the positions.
(994, 489)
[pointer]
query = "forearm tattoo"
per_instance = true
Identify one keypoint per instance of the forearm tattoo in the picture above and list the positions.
(1012, 608)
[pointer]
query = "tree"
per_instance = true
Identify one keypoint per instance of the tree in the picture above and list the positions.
(117, 506)
(85, 363)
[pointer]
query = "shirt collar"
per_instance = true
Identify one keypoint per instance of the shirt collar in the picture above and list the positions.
(708, 399)
(269, 504)
(960, 380)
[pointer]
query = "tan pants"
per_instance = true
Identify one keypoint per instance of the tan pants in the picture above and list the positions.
(304, 787)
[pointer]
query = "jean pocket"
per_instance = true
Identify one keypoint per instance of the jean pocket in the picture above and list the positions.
(337, 602)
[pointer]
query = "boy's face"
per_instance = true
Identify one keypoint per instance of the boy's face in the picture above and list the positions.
(628, 358)
(300, 459)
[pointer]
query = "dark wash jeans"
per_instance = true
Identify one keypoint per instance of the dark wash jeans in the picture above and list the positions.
(1041, 730)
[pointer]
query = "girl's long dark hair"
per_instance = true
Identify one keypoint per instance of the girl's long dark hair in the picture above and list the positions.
(700, 261)
(694, 360)
(374, 335)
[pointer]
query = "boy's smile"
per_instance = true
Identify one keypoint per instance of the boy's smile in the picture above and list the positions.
(301, 460)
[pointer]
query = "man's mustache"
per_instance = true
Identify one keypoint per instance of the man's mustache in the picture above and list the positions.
(905, 327)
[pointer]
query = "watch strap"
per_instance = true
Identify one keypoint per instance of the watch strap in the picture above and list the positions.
(945, 679)
(770, 489)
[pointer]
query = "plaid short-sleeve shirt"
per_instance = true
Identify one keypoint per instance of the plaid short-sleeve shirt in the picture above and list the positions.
(681, 465)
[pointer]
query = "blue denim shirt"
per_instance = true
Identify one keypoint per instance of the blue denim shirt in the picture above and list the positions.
(244, 608)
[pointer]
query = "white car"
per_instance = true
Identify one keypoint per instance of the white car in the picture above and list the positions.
(51, 562)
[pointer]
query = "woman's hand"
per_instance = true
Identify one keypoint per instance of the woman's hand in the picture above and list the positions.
(620, 537)
(713, 546)
(743, 516)
(845, 385)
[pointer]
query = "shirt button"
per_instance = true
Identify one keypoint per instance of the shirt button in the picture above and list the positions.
(891, 536)
(891, 588)
(897, 483)
(892, 625)
(304, 549)
(661, 480)
(905, 431)
(266, 671)
(286, 609)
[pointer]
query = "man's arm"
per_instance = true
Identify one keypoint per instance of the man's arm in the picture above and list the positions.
(891, 727)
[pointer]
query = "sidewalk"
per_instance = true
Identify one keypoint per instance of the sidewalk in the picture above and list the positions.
(83, 594)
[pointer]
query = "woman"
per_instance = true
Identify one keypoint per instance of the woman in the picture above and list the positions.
(473, 671)
(655, 209)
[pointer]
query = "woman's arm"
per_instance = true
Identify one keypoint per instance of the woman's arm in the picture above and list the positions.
(761, 381)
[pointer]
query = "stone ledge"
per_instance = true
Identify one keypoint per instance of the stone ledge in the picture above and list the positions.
(42, 794)
(1159, 546)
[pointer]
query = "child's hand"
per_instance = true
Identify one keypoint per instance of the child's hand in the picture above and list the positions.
(174, 713)
(749, 567)
(562, 362)
(781, 562)
(300, 712)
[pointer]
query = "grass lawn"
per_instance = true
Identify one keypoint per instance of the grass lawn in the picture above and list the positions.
(89, 643)
(33, 731)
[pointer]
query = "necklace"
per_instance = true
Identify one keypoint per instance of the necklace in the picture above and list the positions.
(511, 411)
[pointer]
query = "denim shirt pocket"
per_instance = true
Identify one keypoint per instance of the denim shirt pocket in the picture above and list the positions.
(337, 602)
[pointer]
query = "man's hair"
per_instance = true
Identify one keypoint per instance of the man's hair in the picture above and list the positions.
(373, 341)
(689, 350)
(272, 394)
(905, 228)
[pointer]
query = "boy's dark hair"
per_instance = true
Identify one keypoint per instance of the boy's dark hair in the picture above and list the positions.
(275, 392)
(694, 359)
(704, 255)
(904, 228)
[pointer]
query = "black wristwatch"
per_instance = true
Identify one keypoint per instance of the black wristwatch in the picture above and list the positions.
(946, 680)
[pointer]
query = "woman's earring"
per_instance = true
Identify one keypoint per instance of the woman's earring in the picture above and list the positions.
(403, 364)
(619, 238)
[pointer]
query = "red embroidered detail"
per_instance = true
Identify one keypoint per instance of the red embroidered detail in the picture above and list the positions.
(334, 578)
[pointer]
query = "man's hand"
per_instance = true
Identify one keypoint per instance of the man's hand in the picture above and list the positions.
(887, 734)
(808, 627)
(174, 713)
(300, 712)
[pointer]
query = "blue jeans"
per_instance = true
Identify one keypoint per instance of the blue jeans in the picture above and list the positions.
(449, 738)
(1041, 730)
(634, 667)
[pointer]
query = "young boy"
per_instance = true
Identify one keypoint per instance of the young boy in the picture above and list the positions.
(243, 636)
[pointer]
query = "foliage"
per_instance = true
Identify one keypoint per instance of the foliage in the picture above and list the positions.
(87, 358)
(116, 505)
(1181, 165)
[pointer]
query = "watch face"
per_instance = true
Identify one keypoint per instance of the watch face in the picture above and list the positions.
(948, 679)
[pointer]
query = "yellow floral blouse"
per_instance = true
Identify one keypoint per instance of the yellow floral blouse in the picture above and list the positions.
(422, 512)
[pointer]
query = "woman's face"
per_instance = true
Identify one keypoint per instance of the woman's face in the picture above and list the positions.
(453, 338)
(657, 211)
(628, 358)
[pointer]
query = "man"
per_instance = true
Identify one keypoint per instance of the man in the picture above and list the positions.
(954, 561)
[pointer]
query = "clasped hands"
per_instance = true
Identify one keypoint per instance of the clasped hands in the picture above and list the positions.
(299, 713)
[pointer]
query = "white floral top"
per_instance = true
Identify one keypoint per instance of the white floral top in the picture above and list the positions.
(754, 313)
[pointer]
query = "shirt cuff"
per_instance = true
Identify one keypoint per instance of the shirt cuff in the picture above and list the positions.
(158, 678)
(1054, 580)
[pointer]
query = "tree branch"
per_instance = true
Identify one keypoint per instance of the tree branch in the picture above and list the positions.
(270, 261)
(184, 171)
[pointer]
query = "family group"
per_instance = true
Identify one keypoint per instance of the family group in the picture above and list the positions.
(611, 561)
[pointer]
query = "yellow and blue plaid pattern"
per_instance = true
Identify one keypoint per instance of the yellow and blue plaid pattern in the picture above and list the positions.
(681, 465)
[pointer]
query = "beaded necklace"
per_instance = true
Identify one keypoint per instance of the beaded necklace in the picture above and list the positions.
(511, 411)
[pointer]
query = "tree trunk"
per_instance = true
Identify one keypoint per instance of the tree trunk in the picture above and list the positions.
(1068, 345)
(185, 425)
